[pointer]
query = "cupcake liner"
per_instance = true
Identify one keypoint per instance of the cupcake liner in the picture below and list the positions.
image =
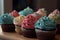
(18, 29)
(30, 33)
(45, 35)
(8, 27)
(58, 29)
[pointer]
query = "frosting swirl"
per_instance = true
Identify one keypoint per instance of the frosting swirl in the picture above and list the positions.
(6, 19)
(26, 11)
(14, 13)
(18, 20)
(55, 15)
(45, 24)
(40, 13)
(28, 22)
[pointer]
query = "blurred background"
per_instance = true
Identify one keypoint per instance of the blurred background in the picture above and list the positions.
(9, 5)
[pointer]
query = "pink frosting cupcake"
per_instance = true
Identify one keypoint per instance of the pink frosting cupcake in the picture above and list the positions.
(55, 15)
(29, 22)
(28, 29)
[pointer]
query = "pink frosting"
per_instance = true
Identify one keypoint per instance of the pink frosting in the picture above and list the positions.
(56, 11)
(55, 14)
(36, 15)
(28, 23)
(40, 13)
(14, 13)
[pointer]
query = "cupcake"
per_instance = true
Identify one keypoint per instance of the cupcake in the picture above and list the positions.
(26, 11)
(45, 28)
(55, 15)
(17, 22)
(40, 13)
(14, 13)
(28, 29)
(6, 22)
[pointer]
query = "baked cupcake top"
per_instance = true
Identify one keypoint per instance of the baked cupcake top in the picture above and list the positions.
(55, 15)
(26, 11)
(45, 24)
(18, 20)
(6, 19)
(40, 13)
(14, 13)
(28, 22)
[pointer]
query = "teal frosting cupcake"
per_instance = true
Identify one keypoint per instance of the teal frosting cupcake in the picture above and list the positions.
(45, 24)
(26, 11)
(6, 19)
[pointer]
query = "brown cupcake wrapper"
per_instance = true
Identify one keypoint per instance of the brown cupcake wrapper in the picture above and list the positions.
(45, 35)
(29, 33)
(8, 27)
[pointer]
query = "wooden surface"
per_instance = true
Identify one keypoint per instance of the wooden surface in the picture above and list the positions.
(15, 36)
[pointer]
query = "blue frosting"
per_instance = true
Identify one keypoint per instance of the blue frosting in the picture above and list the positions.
(45, 23)
(26, 11)
(6, 19)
